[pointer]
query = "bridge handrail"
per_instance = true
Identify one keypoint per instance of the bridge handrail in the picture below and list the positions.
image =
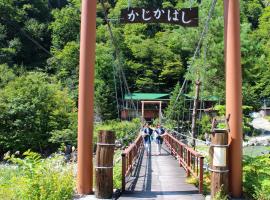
(188, 158)
(129, 156)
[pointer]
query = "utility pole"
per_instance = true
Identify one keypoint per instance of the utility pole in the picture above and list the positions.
(233, 93)
(86, 97)
(194, 113)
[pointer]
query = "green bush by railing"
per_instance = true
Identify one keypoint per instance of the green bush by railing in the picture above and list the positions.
(36, 178)
(257, 177)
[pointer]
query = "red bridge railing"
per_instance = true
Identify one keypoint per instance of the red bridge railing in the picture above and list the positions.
(129, 157)
(188, 158)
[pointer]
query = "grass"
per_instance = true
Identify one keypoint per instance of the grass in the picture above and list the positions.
(267, 117)
(254, 151)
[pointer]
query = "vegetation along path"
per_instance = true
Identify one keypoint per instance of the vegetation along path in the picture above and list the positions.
(159, 177)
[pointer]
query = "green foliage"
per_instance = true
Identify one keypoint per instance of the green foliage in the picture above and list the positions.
(32, 107)
(6, 75)
(175, 108)
(65, 64)
(65, 27)
(44, 36)
(220, 195)
(221, 109)
(205, 124)
(256, 177)
(117, 175)
(36, 178)
(125, 131)
(247, 129)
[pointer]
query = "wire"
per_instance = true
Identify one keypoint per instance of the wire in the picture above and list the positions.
(118, 55)
(16, 28)
(115, 88)
(192, 138)
(204, 32)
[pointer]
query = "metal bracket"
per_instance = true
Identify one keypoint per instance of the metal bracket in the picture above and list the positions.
(105, 144)
(219, 145)
(218, 171)
(104, 167)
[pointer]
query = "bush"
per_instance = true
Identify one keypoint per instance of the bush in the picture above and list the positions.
(36, 178)
(125, 131)
(257, 177)
(117, 175)
(32, 108)
(220, 195)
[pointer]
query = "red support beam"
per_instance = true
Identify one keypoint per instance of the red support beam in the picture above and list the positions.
(86, 97)
(233, 93)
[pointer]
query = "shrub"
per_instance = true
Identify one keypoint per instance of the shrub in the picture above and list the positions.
(117, 175)
(257, 177)
(32, 107)
(125, 130)
(220, 195)
(36, 178)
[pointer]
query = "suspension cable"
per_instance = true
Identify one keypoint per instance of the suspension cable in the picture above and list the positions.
(117, 55)
(204, 32)
(115, 88)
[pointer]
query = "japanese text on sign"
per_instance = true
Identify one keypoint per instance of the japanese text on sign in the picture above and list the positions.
(184, 17)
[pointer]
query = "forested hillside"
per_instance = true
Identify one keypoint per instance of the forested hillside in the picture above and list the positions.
(39, 62)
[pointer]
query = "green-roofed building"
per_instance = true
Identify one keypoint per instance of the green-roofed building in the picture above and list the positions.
(148, 105)
(147, 96)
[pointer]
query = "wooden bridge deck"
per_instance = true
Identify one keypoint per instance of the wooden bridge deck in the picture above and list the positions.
(159, 177)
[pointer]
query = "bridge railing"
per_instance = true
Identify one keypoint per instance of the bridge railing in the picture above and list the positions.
(129, 157)
(188, 158)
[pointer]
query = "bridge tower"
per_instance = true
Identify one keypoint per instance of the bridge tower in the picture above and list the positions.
(86, 97)
(233, 93)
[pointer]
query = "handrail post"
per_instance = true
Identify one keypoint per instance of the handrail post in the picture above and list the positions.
(181, 155)
(130, 159)
(201, 175)
(123, 171)
(188, 162)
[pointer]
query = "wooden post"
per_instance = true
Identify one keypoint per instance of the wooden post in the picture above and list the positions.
(104, 164)
(234, 92)
(194, 113)
(188, 162)
(142, 110)
(160, 105)
(86, 97)
(181, 155)
(123, 172)
(219, 161)
(201, 176)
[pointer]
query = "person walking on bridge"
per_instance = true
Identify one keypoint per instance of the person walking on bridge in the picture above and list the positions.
(147, 134)
(159, 133)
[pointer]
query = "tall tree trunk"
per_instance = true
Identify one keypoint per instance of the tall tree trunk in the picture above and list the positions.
(194, 113)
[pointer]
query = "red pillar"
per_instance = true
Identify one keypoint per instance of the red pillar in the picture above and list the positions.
(86, 97)
(234, 93)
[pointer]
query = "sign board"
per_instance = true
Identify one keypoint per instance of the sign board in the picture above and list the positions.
(188, 17)
(219, 157)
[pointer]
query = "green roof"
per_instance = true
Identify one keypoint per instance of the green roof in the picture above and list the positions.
(205, 98)
(147, 96)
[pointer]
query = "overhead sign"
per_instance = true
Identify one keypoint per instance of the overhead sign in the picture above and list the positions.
(188, 17)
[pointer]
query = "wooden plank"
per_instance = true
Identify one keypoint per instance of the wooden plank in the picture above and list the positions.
(159, 177)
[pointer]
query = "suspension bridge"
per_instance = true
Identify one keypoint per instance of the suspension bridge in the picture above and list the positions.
(161, 177)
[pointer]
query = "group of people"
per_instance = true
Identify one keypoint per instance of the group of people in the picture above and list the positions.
(149, 134)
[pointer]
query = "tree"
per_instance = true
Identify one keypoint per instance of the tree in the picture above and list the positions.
(176, 107)
(66, 26)
(32, 107)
